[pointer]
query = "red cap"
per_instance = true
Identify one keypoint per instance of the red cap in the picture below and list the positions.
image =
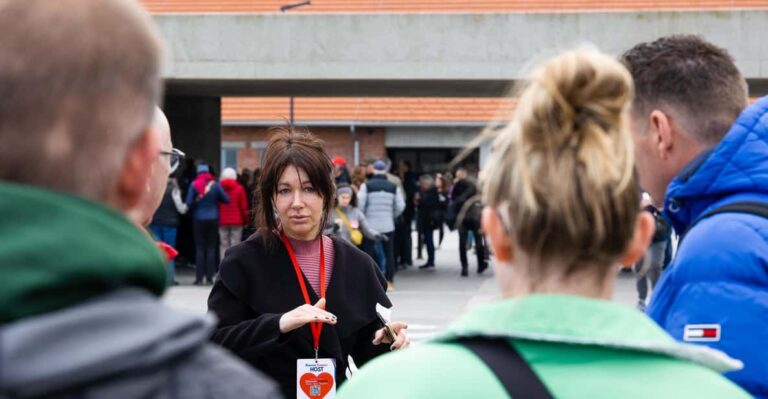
(339, 161)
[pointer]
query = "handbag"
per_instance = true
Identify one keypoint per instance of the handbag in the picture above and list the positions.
(354, 234)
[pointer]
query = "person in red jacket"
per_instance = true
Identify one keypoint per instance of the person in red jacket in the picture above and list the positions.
(234, 215)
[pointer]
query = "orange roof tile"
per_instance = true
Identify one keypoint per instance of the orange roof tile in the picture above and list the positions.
(373, 109)
(367, 109)
(330, 6)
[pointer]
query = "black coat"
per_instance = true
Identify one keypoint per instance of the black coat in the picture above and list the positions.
(462, 191)
(256, 286)
(430, 211)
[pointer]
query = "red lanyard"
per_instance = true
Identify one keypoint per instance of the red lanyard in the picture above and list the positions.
(316, 327)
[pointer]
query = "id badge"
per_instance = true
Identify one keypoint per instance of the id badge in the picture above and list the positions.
(315, 379)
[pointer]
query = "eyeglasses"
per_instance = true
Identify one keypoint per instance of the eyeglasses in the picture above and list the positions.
(175, 156)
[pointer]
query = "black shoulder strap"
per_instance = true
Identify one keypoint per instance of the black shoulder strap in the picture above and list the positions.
(754, 208)
(510, 368)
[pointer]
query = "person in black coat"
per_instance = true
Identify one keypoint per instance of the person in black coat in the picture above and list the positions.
(428, 214)
(403, 242)
(466, 210)
(264, 316)
(256, 287)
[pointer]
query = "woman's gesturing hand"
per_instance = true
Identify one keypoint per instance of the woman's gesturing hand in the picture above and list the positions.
(306, 314)
(402, 340)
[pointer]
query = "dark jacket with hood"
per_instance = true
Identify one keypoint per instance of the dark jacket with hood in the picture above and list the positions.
(257, 285)
(168, 213)
(79, 287)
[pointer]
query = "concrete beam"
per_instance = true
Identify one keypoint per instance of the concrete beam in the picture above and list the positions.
(420, 54)
(339, 88)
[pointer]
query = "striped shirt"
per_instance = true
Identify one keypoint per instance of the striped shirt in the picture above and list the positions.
(308, 255)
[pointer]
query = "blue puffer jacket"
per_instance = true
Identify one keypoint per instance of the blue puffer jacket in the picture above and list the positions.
(719, 277)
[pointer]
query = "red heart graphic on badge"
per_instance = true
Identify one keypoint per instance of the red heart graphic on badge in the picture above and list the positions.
(316, 386)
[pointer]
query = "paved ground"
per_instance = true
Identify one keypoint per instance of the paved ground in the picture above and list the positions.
(427, 300)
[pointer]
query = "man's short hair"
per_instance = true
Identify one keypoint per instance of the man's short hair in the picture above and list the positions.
(696, 79)
(79, 80)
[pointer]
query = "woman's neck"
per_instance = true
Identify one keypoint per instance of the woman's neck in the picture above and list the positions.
(304, 247)
(591, 284)
(297, 237)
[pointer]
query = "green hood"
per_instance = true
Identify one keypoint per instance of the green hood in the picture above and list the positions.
(578, 347)
(57, 250)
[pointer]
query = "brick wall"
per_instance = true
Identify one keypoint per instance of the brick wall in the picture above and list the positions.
(338, 141)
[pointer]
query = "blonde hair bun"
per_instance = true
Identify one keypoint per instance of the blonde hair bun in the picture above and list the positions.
(563, 167)
(576, 103)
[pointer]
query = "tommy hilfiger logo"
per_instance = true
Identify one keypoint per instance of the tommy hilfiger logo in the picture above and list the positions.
(702, 333)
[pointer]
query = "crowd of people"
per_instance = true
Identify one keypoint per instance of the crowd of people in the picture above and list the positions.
(377, 212)
(220, 211)
(386, 206)
(559, 204)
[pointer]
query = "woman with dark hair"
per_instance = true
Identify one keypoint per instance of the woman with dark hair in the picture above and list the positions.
(245, 178)
(290, 297)
(358, 177)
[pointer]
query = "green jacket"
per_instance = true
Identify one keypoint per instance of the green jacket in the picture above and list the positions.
(57, 250)
(579, 348)
(79, 313)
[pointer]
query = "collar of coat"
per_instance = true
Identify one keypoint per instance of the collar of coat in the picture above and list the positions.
(734, 170)
(581, 321)
(58, 250)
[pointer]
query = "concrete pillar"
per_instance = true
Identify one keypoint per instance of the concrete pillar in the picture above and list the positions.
(485, 153)
(196, 127)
